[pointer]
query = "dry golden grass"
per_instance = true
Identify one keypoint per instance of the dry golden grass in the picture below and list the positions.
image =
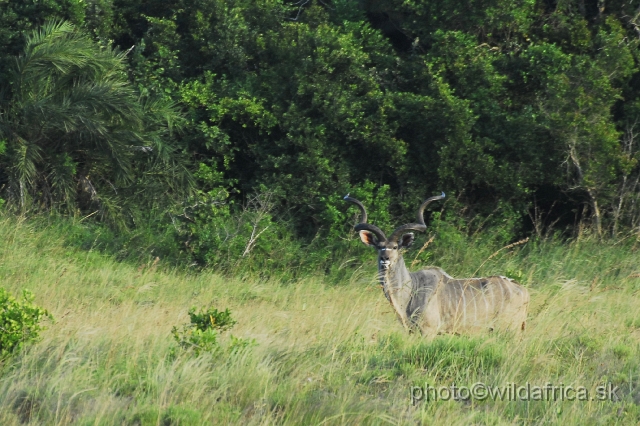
(324, 354)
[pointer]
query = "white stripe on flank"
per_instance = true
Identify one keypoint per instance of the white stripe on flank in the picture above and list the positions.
(486, 306)
(493, 298)
(464, 306)
(475, 306)
(510, 292)
(452, 300)
(456, 302)
(453, 294)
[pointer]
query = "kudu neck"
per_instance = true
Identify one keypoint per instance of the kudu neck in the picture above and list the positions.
(396, 275)
(396, 284)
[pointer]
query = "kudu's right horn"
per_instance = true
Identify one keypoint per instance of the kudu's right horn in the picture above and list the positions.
(419, 224)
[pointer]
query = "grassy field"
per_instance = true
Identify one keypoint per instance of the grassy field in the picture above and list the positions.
(323, 353)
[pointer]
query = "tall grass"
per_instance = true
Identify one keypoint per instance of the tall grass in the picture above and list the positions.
(325, 354)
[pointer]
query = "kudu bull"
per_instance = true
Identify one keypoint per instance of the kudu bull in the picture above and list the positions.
(432, 301)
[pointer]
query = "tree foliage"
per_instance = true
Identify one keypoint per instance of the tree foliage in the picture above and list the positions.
(520, 107)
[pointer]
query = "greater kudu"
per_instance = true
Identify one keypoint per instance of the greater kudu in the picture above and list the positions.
(432, 301)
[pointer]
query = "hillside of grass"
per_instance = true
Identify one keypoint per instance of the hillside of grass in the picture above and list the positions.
(320, 352)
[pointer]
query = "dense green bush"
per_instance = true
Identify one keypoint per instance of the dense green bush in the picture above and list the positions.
(19, 322)
(528, 104)
(523, 113)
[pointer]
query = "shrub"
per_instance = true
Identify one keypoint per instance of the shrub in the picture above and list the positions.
(201, 334)
(19, 322)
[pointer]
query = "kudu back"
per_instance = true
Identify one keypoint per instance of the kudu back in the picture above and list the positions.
(432, 301)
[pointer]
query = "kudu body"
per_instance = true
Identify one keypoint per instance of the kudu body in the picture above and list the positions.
(432, 301)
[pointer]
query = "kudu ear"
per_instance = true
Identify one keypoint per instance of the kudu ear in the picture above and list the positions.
(406, 240)
(368, 238)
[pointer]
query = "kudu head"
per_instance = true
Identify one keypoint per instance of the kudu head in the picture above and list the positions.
(389, 248)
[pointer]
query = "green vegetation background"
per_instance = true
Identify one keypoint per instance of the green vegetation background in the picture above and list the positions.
(230, 128)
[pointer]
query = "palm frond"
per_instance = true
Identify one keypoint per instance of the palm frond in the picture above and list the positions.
(78, 132)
